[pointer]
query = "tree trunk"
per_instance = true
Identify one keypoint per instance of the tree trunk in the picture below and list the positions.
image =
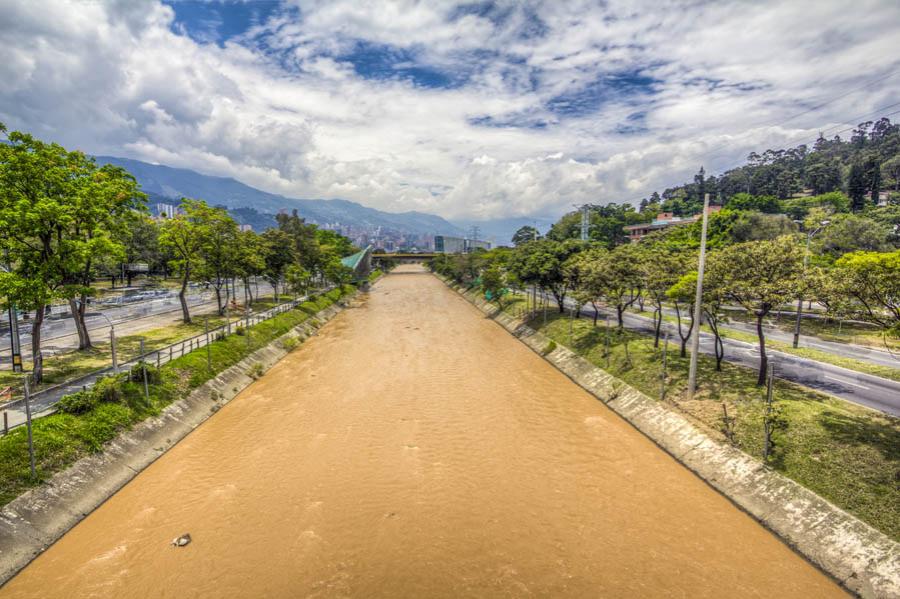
(596, 312)
(37, 358)
(220, 307)
(657, 324)
(763, 359)
(718, 345)
(186, 315)
(78, 309)
(249, 291)
(275, 289)
(560, 301)
(130, 276)
(684, 338)
(620, 309)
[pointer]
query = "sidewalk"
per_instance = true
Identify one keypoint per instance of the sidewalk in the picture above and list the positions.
(42, 403)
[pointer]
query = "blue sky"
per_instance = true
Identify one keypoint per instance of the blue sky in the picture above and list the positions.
(468, 110)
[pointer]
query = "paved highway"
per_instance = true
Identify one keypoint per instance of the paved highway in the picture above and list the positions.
(61, 330)
(867, 390)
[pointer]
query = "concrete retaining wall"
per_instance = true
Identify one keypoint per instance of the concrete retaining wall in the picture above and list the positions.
(863, 559)
(36, 519)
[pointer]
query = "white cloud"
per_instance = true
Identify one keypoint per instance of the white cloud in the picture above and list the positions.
(280, 109)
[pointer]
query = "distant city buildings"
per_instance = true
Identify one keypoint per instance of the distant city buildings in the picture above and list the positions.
(166, 210)
(663, 220)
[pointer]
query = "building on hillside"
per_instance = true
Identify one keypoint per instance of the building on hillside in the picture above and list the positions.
(166, 210)
(245, 228)
(663, 220)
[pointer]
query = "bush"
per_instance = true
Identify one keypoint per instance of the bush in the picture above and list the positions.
(108, 389)
(77, 403)
(256, 370)
(137, 376)
(550, 347)
(290, 344)
(239, 330)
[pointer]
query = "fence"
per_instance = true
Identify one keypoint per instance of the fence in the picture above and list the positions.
(43, 400)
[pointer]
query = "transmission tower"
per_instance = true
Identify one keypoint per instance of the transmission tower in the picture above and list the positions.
(585, 221)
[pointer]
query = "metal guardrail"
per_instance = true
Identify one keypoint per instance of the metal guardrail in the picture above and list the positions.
(42, 401)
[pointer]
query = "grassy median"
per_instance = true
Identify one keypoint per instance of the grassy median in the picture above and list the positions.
(117, 403)
(848, 454)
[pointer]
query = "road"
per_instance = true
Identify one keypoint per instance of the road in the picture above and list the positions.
(43, 402)
(863, 389)
(61, 330)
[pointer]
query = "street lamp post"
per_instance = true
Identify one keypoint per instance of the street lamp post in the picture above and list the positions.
(809, 237)
(112, 339)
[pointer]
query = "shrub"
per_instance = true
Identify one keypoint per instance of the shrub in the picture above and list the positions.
(256, 370)
(108, 389)
(239, 330)
(550, 347)
(77, 403)
(290, 344)
(137, 376)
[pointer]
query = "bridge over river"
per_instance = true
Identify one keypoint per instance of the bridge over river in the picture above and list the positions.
(415, 449)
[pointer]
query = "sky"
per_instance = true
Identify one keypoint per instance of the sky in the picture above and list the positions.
(475, 110)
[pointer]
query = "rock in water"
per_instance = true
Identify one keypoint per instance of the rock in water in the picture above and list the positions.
(182, 540)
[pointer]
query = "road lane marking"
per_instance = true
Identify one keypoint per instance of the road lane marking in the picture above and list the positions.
(847, 382)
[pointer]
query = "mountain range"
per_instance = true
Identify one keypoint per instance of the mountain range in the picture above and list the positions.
(258, 208)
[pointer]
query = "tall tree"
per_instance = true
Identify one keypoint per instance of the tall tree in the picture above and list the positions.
(182, 236)
(760, 276)
(218, 249)
(38, 182)
(278, 254)
(524, 235)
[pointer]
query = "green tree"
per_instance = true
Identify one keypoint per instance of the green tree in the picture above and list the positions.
(219, 247)
(760, 276)
(493, 281)
(849, 233)
(182, 237)
(249, 259)
(103, 202)
(278, 254)
(660, 269)
(868, 284)
(524, 235)
(541, 263)
(59, 215)
(753, 226)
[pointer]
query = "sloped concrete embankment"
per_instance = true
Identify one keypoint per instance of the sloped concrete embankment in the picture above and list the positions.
(36, 519)
(864, 560)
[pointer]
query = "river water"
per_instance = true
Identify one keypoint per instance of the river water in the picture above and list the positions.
(415, 449)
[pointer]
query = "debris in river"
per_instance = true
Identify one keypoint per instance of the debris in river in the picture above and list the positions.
(182, 540)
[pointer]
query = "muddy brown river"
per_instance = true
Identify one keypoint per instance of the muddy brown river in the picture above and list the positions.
(415, 449)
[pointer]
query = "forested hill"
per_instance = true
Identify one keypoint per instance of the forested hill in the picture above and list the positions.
(869, 161)
(775, 193)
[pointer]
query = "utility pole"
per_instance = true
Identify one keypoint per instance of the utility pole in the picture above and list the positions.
(809, 237)
(698, 301)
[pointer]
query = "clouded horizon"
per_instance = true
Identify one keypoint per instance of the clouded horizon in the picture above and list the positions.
(467, 110)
